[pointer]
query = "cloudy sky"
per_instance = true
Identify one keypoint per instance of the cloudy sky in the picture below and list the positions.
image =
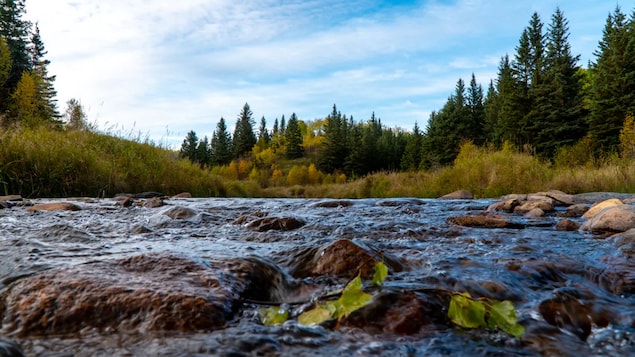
(164, 67)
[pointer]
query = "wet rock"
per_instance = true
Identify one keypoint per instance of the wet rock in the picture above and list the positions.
(484, 221)
(594, 197)
(616, 218)
(9, 348)
(154, 202)
(574, 311)
(140, 229)
(399, 202)
(183, 195)
(333, 204)
(515, 196)
(535, 213)
(179, 212)
(56, 206)
(142, 293)
(266, 282)
(275, 223)
(560, 197)
(5, 204)
(543, 205)
(596, 208)
(576, 210)
(125, 202)
(400, 312)
(459, 195)
(11, 198)
(505, 206)
(343, 259)
(150, 194)
(567, 225)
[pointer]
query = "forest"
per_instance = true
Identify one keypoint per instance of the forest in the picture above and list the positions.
(542, 102)
(542, 106)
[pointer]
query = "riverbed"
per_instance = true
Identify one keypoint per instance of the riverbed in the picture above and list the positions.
(570, 289)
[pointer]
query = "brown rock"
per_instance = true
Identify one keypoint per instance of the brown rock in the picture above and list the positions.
(567, 225)
(333, 204)
(11, 198)
(179, 212)
(154, 202)
(535, 213)
(616, 218)
(459, 195)
(576, 210)
(596, 208)
(484, 221)
(544, 205)
(56, 206)
(183, 195)
(505, 206)
(125, 202)
(275, 223)
(561, 198)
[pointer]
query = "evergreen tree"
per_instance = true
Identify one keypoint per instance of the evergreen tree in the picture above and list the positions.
(188, 147)
(244, 138)
(412, 155)
(203, 153)
(293, 136)
(46, 91)
(507, 128)
(16, 32)
(221, 145)
(561, 119)
(263, 135)
(371, 133)
(334, 150)
(476, 110)
(613, 82)
(491, 109)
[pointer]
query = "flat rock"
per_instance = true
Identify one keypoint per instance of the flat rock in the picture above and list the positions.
(505, 206)
(275, 223)
(484, 221)
(544, 205)
(567, 225)
(56, 206)
(179, 212)
(535, 213)
(334, 204)
(596, 208)
(594, 197)
(11, 198)
(576, 210)
(459, 195)
(183, 195)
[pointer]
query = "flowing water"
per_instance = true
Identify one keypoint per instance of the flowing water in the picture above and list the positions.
(530, 267)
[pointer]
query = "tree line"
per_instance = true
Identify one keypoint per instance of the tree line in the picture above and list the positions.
(542, 101)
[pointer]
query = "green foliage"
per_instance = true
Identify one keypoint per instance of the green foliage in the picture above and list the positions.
(468, 312)
(273, 315)
(293, 137)
(352, 298)
(381, 272)
(244, 138)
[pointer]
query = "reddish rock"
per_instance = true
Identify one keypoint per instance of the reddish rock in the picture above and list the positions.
(545, 206)
(459, 195)
(125, 202)
(567, 225)
(179, 212)
(275, 223)
(56, 206)
(484, 221)
(10, 198)
(183, 195)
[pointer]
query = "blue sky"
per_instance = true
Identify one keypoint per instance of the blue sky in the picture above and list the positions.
(164, 67)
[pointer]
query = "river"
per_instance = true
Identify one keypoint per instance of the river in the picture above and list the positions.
(570, 289)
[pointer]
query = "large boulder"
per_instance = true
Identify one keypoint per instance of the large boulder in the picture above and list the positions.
(615, 218)
(596, 208)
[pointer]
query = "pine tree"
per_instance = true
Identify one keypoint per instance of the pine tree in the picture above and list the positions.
(561, 119)
(293, 136)
(203, 153)
(16, 32)
(46, 91)
(613, 82)
(188, 147)
(334, 150)
(476, 110)
(412, 156)
(507, 128)
(244, 138)
(221, 145)
(491, 109)
(264, 138)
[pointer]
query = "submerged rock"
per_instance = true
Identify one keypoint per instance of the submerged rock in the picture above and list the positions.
(275, 223)
(484, 221)
(56, 206)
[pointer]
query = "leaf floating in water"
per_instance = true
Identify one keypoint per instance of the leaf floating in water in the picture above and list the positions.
(467, 312)
(503, 315)
(381, 272)
(353, 298)
(273, 315)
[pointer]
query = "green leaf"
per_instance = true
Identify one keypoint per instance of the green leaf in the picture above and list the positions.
(353, 298)
(503, 315)
(381, 272)
(273, 315)
(314, 316)
(466, 312)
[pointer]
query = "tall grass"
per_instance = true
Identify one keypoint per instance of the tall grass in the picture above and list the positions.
(42, 162)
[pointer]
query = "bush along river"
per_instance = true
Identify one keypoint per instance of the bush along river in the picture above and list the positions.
(139, 275)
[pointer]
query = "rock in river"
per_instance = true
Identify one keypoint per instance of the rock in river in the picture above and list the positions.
(55, 206)
(615, 218)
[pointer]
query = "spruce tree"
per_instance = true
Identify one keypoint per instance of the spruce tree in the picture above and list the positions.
(293, 136)
(476, 113)
(47, 91)
(613, 82)
(244, 138)
(263, 135)
(203, 153)
(412, 155)
(334, 150)
(16, 32)
(221, 145)
(189, 145)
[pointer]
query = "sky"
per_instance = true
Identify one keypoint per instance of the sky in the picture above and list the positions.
(158, 69)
